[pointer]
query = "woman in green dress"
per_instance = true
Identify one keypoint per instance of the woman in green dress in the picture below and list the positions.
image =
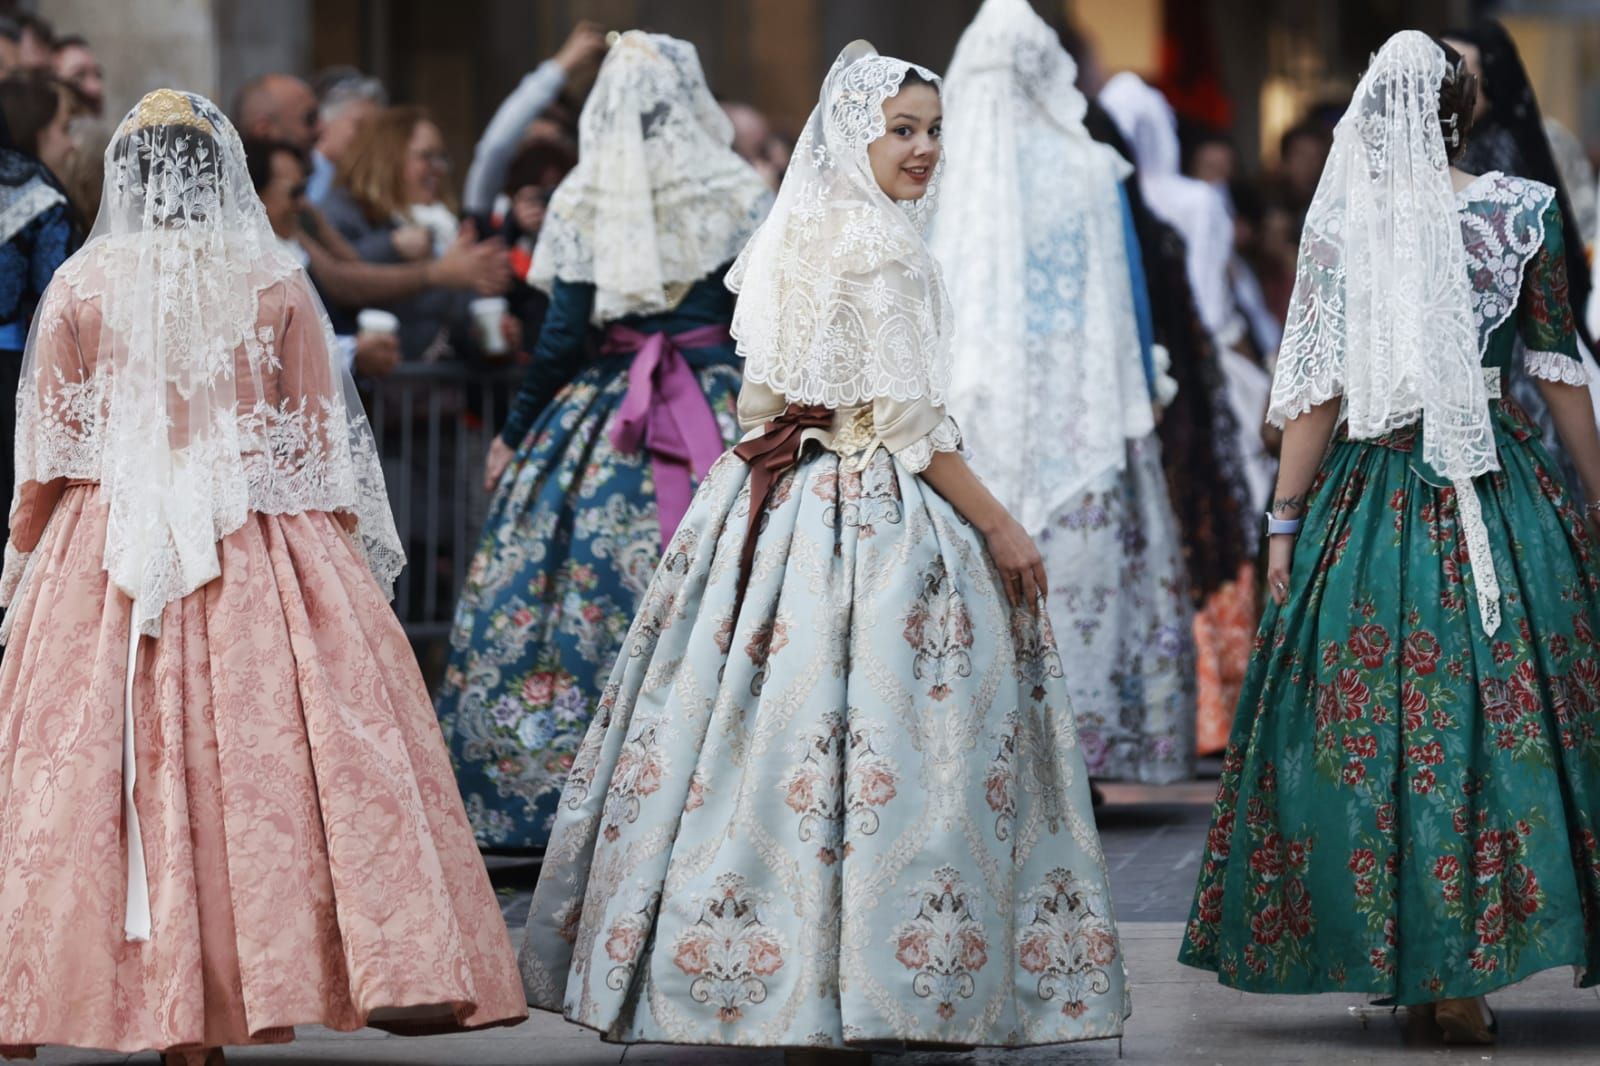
(1410, 799)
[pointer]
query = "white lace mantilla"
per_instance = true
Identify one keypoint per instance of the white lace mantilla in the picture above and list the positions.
(840, 301)
(1384, 311)
(182, 361)
(1031, 241)
(659, 199)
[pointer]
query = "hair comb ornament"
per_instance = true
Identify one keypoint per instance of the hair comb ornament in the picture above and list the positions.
(168, 107)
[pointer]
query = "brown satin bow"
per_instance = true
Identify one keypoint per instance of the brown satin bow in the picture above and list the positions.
(769, 455)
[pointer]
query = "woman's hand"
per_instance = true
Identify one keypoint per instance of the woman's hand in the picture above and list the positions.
(1280, 552)
(377, 354)
(511, 332)
(494, 467)
(411, 243)
(482, 266)
(1021, 568)
(1018, 560)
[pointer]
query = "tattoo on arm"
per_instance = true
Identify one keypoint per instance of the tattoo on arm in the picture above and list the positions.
(1289, 505)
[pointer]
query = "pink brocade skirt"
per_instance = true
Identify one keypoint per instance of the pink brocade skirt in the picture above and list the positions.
(309, 858)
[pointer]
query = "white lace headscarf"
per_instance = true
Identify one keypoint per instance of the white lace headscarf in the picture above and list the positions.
(659, 199)
(840, 300)
(1382, 307)
(192, 409)
(1047, 383)
(1196, 210)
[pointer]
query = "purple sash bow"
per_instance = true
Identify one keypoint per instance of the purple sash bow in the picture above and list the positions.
(666, 412)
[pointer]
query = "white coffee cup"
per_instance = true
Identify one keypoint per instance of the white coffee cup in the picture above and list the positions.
(487, 312)
(373, 320)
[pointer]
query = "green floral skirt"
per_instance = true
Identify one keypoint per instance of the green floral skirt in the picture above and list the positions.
(1409, 806)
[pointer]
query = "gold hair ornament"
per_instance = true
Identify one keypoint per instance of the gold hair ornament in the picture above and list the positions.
(167, 107)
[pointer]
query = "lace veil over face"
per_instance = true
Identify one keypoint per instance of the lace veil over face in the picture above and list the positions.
(1382, 309)
(1047, 382)
(659, 199)
(181, 360)
(840, 300)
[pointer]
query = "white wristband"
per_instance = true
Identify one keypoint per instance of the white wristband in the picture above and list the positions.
(1282, 527)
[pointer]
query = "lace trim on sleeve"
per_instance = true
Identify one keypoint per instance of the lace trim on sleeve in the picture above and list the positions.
(1554, 366)
(18, 569)
(945, 437)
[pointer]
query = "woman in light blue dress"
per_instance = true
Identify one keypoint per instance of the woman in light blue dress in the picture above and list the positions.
(832, 797)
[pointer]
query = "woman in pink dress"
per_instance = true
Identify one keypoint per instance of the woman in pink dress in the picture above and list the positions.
(225, 806)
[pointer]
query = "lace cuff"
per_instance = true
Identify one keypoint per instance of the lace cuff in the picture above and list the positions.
(18, 568)
(1554, 366)
(945, 437)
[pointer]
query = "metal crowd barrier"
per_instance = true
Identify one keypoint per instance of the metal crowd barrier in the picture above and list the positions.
(433, 423)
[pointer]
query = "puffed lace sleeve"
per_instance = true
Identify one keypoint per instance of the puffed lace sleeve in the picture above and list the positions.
(1544, 315)
(914, 430)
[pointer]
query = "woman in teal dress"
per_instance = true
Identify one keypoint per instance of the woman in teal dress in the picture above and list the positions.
(833, 796)
(1410, 799)
(628, 401)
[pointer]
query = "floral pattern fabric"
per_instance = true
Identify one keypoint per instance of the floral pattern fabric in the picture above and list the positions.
(852, 809)
(1224, 633)
(570, 542)
(1120, 609)
(308, 857)
(1396, 777)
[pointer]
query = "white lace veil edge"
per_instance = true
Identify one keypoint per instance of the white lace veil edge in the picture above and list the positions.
(182, 361)
(840, 300)
(1030, 238)
(659, 199)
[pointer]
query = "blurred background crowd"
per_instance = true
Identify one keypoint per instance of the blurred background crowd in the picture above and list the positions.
(406, 150)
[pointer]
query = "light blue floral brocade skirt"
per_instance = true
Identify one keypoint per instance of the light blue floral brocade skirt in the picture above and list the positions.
(853, 812)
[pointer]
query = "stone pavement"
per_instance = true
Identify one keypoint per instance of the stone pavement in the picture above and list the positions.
(1152, 839)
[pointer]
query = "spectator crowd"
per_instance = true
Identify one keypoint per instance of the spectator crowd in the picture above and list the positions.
(419, 265)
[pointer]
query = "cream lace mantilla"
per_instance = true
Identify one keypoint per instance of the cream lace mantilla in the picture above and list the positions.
(840, 301)
(658, 199)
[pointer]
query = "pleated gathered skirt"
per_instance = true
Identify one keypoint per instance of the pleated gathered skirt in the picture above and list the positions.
(851, 810)
(1120, 607)
(309, 859)
(572, 537)
(1409, 805)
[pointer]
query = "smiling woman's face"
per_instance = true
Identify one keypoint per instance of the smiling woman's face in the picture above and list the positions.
(903, 158)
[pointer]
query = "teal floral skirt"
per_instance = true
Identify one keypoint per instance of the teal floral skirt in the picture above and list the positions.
(1408, 805)
(568, 548)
